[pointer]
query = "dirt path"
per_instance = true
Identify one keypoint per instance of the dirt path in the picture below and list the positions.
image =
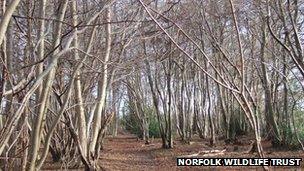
(125, 152)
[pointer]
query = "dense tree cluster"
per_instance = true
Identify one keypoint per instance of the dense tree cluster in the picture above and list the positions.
(70, 70)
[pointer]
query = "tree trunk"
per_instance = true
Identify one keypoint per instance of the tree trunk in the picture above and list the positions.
(102, 86)
(36, 136)
(6, 19)
(271, 123)
(80, 114)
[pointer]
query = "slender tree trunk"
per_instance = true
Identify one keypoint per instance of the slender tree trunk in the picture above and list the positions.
(36, 136)
(80, 114)
(155, 103)
(41, 37)
(170, 137)
(102, 86)
(210, 118)
(271, 123)
(6, 18)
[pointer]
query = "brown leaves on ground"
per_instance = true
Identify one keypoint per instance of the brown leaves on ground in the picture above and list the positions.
(127, 153)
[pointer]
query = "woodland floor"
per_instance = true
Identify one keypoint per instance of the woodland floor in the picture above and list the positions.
(126, 152)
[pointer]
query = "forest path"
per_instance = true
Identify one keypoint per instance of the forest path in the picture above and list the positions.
(126, 152)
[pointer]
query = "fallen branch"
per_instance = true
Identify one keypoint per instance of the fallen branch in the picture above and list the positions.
(205, 153)
(147, 145)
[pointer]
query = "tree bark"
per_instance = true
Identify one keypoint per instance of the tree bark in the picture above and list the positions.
(36, 136)
(80, 113)
(102, 85)
(6, 19)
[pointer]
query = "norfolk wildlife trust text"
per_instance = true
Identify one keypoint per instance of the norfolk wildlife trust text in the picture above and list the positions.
(239, 161)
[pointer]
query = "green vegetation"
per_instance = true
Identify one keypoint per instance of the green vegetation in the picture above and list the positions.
(131, 123)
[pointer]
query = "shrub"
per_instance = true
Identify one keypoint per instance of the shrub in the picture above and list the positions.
(131, 123)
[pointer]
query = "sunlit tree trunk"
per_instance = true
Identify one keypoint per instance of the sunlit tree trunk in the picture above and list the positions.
(102, 87)
(6, 18)
(81, 119)
(39, 123)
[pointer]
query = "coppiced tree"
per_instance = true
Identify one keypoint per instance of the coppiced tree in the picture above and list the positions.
(216, 69)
